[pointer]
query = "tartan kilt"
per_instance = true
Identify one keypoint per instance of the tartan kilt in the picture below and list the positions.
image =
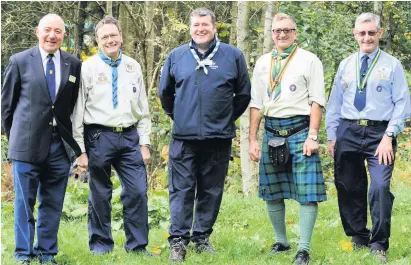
(301, 178)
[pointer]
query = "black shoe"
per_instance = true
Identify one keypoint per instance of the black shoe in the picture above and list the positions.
(202, 244)
(357, 246)
(381, 255)
(178, 250)
(278, 247)
(302, 257)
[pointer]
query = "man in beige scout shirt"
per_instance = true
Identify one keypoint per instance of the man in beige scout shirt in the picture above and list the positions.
(288, 89)
(112, 109)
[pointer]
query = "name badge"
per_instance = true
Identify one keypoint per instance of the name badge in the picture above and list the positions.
(102, 79)
(72, 79)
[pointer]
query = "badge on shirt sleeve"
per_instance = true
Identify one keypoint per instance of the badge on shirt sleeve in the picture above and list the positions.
(72, 79)
(293, 87)
(379, 88)
(129, 67)
(102, 79)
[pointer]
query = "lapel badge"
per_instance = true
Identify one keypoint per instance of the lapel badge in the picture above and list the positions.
(345, 85)
(72, 78)
(379, 88)
(293, 87)
(129, 68)
(134, 89)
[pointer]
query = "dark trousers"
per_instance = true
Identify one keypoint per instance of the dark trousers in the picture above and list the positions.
(122, 151)
(197, 170)
(354, 145)
(47, 181)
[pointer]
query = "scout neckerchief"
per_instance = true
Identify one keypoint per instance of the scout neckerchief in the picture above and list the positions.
(203, 63)
(276, 71)
(114, 74)
(361, 86)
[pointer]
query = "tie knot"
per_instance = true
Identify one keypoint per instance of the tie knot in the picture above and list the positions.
(365, 58)
(50, 57)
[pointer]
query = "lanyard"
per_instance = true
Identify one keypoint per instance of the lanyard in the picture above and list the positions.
(360, 85)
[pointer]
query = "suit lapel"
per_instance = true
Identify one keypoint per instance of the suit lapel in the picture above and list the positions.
(65, 71)
(38, 69)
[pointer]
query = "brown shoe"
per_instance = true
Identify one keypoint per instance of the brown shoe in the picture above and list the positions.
(381, 255)
(178, 250)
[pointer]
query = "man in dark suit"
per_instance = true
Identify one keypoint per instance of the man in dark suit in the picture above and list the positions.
(40, 88)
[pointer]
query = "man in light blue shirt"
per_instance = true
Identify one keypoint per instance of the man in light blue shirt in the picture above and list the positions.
(367, 109)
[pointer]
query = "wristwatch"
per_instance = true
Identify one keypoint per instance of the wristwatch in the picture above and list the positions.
(313, 137)
(389, 134)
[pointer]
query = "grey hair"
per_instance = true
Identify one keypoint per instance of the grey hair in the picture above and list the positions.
(282, 16)
(367, 17)
(202, 12)
(107, 20)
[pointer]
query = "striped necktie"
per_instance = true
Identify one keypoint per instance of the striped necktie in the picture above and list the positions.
(114, 74)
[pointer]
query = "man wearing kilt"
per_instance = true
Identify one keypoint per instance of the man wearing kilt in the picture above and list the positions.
(288, 89)
(368, 106)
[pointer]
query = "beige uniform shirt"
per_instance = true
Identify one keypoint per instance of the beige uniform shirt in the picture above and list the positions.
(302, 84)
(94, 104)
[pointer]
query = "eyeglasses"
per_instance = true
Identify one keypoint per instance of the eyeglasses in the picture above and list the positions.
(370, 33)
(106, 37)
(286, 31)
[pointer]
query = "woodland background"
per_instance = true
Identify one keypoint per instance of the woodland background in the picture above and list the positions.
(151, 29)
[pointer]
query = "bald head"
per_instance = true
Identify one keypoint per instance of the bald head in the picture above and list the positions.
(50, 32)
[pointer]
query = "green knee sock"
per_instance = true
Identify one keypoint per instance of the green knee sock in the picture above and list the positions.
(308, 215)
(276, 211)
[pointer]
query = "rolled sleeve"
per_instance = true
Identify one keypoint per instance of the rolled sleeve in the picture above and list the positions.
(316, 87)
(257, 88)
(333, 113)
(401, 101)
(77, 117)
(144, 123)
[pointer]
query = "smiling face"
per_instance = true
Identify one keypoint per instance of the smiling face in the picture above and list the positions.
(202, 31)
(109, 40)
(283, 41)
(362, 32)
(50, 33)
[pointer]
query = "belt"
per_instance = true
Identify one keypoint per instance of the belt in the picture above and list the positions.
(118, 129)
(287, 132)
(369, 123)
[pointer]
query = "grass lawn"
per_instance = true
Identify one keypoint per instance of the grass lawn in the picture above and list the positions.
(243, 235)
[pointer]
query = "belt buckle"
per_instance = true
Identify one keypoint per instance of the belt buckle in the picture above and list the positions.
(283, 132)
(118, 129)
(363, 123)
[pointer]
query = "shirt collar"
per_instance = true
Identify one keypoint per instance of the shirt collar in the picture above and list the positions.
(44, 54)
(371, 56)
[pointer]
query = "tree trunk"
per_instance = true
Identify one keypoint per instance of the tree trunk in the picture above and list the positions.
(247, 167)
(109, 8)
(233, 30)
(150, 36)
(268, 40)
(123, 19)
(260, 39)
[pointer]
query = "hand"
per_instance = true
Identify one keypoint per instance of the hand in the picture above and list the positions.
(310, 147)
(254, 150)
(331, 147)
(145, 152)
(384, 151)
(82, 162)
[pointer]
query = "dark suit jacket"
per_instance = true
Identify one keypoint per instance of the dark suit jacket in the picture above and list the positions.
(27, 110)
